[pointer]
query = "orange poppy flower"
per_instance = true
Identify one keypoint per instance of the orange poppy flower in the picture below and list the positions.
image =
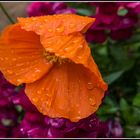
(51, 55)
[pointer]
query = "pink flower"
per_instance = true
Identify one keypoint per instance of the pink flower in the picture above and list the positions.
(107, 18)
(48, 8)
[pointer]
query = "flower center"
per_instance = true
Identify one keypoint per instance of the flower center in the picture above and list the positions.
(54, 59)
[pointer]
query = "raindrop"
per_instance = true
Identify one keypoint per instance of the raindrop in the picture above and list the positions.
(35, 99)
(81, 46)
(14, 59)
(49, 30)
(79, 57)
(66, 49)
(46, 20)
(19, 80)
(38, 91)
(10, 72)
(38, 32)
(76, 41)
(1, 59)
(19, 64)
(92, 101)
(77, 118)
(77, 105)
(49, 42)
(71, 25)
(90, 86)
(12, 51)
(79, 112)
(6, 58)
(60, 29)
(63, 56)
(33, 19)
(49, 49)
(47, 95)
(37, 70)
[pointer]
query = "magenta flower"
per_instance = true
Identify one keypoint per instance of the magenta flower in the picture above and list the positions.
(96, 35)
(48, 8)
(108, 18)
(8, 113)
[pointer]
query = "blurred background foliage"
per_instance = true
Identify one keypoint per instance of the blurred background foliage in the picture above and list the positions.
(118, 60)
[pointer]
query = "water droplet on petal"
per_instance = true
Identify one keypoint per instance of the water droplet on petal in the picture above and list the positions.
(71, 25)
(6, 58)
(19, 80)
(33, 19)
(37, 70)
(76, 41)
(77, 118)
(79, 112)
(77, 105)
(20, 64)
(46, 20)
(9, 71)
(60, 29)
(49, 30)
(66, 49)
(90, 86)
(38, 91)
(92, 101)
(1, 59)
(14, 59)
(81, 46)
(35, 99)
(79, 57)
(63, 56)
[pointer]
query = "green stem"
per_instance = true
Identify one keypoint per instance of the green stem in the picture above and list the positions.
(5, 12)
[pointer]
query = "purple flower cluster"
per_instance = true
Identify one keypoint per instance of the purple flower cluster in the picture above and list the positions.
(114, 19)
(8, 112)
(48, 8)
(35, 125)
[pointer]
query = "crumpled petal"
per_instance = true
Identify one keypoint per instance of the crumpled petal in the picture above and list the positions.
(75, 48)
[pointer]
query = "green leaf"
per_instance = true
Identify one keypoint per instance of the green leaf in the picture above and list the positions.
(18, 88)
(109, 101)
(19, 108)
(7, 122)
(82, 11)
(132, 131)
(129, 113)
(123, 104)
(136, 100)
(103, 50)
(113, 76)
(122, 12)
(107, 109)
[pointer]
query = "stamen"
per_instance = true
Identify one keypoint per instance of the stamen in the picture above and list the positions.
(54, 59)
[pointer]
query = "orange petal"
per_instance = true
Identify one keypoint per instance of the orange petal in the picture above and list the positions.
(69, 90)
(62, 24)
(75, 48)
(21, 56)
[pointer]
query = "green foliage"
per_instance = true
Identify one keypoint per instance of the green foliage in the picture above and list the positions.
(122, 12)
(136, 100)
